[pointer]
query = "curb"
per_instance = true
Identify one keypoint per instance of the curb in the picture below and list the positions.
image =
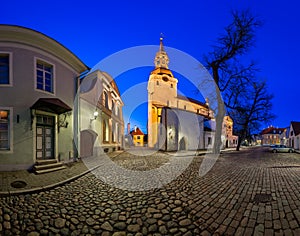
(50, 186)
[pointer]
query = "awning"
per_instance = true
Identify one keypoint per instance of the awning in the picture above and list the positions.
(53, 105)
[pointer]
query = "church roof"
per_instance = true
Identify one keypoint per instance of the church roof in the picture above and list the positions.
(192, 100)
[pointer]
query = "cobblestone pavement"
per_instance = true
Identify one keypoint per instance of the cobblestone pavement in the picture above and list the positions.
(251, 192)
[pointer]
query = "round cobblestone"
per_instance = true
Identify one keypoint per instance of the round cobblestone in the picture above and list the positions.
(220, 202)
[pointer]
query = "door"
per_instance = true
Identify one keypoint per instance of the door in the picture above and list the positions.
(45, 137)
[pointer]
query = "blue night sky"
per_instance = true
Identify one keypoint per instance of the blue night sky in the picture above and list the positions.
(93, 30)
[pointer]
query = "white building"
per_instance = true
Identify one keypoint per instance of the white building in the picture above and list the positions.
(37, 88)
(294, 135)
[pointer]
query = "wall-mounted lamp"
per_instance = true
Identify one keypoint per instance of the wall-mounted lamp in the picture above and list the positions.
(96, 113)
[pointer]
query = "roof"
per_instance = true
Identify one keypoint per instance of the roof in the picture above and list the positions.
(162, 71)
(192, 100)
(296, 127)
(33, 38)
(137, 131)
(272, 130)
(53, 105)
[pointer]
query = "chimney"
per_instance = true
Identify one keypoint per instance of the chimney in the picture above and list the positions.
(135, 128)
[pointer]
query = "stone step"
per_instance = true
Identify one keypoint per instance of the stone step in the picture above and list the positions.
(43, 171)
(45, 162)
(48, 166)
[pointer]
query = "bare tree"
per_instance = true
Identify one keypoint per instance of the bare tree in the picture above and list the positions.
(252, 108)
(224, 63)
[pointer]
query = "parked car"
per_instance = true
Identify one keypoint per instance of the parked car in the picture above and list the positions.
(281, 148)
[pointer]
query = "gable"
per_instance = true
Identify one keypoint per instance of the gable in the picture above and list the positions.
(295, 126)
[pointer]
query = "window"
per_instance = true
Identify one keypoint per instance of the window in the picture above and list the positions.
(117, 110)
(5, 129)
(105, 99)
(5, 69)
(157, 82)
(209, 141)
(44, 76)
(112, 105)
(171, 85)
(105, 131)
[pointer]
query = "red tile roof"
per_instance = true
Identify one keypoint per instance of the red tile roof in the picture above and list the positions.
(272, 130)
(137, 131)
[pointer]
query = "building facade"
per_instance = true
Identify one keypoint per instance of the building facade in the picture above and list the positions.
(228, 139)
(100, 115)
(173, 119)
(294, 135)
(272, 135)
(37, 89)
(137, 137)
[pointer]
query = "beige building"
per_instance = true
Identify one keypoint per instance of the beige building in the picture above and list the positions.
(176, 122)
(228, 139)
(100, 115)
(166, 109)
(37, 89)
(272, 135)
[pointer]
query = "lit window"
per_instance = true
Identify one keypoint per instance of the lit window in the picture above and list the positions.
(5, 70)
(4, 130)
(44, 76)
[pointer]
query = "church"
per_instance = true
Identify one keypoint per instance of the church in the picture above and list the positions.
(176, 122)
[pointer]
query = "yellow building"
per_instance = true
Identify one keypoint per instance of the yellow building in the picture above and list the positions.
(137, 137)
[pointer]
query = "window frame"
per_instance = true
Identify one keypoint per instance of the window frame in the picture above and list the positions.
(43, 61)
(10, 64)
(10, 130)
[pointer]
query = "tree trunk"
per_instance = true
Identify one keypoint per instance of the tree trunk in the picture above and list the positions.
(219, 123)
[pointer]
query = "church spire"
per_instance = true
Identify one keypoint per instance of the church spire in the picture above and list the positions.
(161, 58)
(161, 46)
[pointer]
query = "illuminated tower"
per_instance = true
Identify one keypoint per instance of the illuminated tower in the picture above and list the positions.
(162, 92)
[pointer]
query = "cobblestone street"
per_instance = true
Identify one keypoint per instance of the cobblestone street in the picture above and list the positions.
(251, 192)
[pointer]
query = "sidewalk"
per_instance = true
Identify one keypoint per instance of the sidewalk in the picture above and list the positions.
(36, 183)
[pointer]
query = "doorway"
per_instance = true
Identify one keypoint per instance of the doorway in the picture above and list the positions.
(44, 137)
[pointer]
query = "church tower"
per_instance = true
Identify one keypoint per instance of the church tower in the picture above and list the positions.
(162, 92)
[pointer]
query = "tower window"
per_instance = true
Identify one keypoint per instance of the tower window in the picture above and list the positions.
(171, 85)
(157, 82)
